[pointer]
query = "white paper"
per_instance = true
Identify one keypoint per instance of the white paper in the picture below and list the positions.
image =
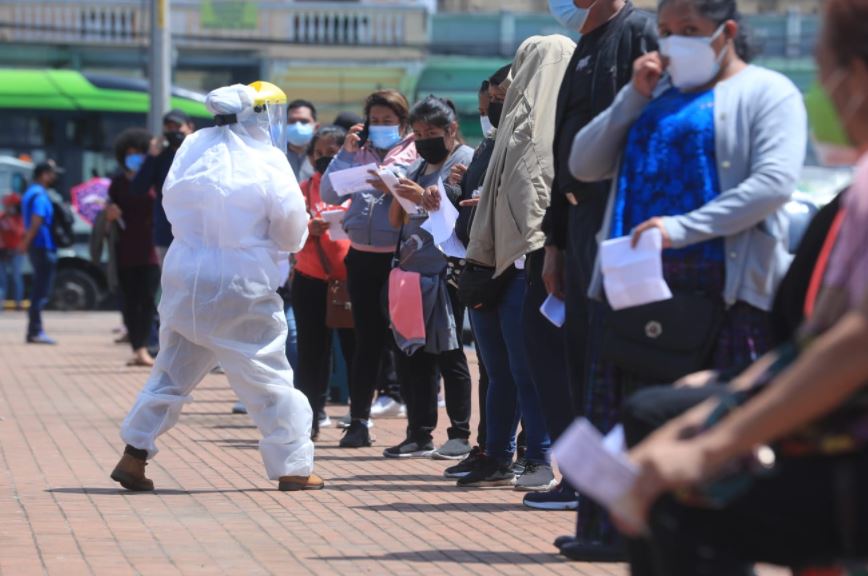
(335, 219)
(554, 310)
(441, 223)
(585, 461)
(634, 276)
(391, 182)
(453, 247)
(615, 441)
(352, 180)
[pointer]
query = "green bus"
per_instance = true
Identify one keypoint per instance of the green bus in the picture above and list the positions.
(73, 118)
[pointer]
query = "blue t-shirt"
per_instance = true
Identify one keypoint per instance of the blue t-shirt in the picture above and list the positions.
(36, 201)
(670, 166)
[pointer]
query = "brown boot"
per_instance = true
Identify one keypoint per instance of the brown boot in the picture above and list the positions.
(130, 471)
(296, 483)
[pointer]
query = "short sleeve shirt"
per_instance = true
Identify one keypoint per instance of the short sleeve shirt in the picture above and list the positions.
(37, 203)
(848, 267)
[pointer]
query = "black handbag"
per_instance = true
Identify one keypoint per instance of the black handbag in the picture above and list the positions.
(667, 340)
(477, 287)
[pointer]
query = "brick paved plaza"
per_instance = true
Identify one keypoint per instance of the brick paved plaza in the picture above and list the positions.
(213, 511)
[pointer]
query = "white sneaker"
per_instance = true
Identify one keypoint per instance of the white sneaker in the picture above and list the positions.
(385, 407)
(239, 408)
(344, 422)
(325, 422)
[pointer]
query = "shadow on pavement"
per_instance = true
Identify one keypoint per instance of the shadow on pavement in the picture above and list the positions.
(102, 491)
(465, 507)
(458, 557)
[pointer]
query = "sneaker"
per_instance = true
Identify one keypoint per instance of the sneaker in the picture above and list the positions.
(467, 465)
(519, 465)
(488, 473)
(410, 449)
(356, 436)
(454, 449)
(239, 408)
(385, 407)
(536, 478)
(41, 338)
(325, 422)
(345, 421)
(561, 497)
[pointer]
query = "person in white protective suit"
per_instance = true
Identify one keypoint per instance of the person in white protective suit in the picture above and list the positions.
(236, 211)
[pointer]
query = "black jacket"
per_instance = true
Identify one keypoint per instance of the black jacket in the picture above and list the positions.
(630, 34)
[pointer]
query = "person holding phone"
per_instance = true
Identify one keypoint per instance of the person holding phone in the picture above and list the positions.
(385, 140)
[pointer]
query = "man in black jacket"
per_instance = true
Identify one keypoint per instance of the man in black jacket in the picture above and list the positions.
(613, 35)
(176, 126)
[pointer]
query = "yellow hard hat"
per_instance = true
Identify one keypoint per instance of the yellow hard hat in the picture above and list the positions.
(267, 93)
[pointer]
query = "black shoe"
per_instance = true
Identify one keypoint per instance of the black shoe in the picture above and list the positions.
(519, 466)
(561, 497)
(356, 436)
(562, 541)
(584, 551)
(488, 473)
(410, 449)
(467, 465)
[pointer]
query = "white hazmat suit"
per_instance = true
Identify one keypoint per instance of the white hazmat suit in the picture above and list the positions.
(236, 211)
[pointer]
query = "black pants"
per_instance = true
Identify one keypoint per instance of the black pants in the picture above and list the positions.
(545, 344)
(809, 511)
(367, 277)
(420, 379)
(315, 342)
(482, 393)
(387, 378)
(139, 287)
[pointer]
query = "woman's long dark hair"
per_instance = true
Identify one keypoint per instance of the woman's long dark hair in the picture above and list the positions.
(719, 11)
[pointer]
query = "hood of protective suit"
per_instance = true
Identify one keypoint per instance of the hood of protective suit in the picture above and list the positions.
(517, 188)
(228, 187)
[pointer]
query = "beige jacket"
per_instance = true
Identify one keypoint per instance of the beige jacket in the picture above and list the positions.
(517, 188)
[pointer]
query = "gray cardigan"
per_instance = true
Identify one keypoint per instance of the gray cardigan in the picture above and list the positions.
(761, 138)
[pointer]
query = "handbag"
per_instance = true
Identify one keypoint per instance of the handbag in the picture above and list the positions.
(478, 289)
(339, 308)
(666, 340)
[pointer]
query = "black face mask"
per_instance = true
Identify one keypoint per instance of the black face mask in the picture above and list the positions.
(432, 150)
(322, 164)
(175, 138)
(495, 109)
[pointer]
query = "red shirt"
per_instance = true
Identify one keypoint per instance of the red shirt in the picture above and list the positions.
(11, 231)
(136, 238)
(318, 248)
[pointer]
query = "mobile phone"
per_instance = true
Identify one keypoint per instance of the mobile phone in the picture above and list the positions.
(363, 135)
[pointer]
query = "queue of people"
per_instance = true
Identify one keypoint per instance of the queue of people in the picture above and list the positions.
(652, 125)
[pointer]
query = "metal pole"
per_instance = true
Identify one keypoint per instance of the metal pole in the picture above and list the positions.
(160, 69)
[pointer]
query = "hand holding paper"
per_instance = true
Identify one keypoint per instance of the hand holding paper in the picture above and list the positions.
(634, 276)
(441, 226)
(335, 219)
(351, 180)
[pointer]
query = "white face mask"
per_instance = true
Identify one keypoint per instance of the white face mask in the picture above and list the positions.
(487, 126)
(568, 14)
(692, 61)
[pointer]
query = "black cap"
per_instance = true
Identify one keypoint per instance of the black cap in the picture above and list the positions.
(347, 120)
(177, 116)
(46, 166)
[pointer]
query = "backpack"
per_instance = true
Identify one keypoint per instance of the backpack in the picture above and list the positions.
(61, 223)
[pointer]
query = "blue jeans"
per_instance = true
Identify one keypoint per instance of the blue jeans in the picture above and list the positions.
(291, 337)
(44, 263)
(511, 391)
(12, 265)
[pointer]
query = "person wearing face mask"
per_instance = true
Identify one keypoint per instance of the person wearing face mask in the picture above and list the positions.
(384, 140)
(319, 262)
(421, 361)
(177, 125)
(301, 125)
(810, 410)
(613, 34)
(710, 150)
(138, 266)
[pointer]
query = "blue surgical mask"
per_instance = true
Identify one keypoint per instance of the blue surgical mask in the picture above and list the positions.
(134, 162)
(568, 14)
(299, 133)
(384, 137)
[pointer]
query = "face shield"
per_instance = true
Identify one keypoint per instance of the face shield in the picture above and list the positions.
(272, 119)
